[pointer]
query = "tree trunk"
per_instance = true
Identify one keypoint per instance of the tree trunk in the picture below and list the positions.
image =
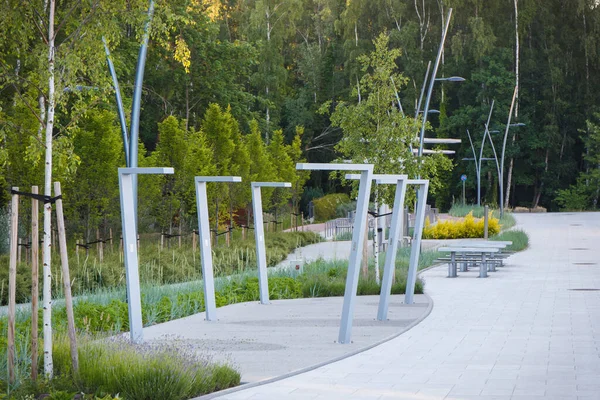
(47, 280)
(508, 182)
(516, 62)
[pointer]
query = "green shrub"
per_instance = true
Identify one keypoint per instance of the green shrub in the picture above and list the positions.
(343, 209)
(506, 222)
(4, 234)
(574, 198)
(518, 237)
(465, 228)
(459, 210)
(326, 206)
(156, 267)
(162, 371)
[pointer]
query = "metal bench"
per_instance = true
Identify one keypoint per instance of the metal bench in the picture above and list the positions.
(494, 259)
(476, 254)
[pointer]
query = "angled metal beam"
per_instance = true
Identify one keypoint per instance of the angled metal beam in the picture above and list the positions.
(358, 235)
(205, 245)
(130, 250)
(259, 235)
(415, 251)
(427, 151)
(441, 141)
(395, 235)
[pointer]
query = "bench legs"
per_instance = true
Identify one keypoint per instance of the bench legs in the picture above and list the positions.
(483, 268)
(452, 266)
(492, 266)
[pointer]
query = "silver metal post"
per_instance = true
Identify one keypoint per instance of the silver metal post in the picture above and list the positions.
(483, 267)
(485, 222)
(422, 90)
(452, 265)
(432, 82)
(130, 247)
(362, 208)
(120, 110)
(485, 133)
(259, 235)
(415, 252)
(392, 250)
(205, 246)
(396, 233)
(477, 170)
(358, 235)
(512, 105)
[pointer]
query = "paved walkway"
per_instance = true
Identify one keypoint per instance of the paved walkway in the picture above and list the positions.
(267, 341)
(339, 250)
(527, 332)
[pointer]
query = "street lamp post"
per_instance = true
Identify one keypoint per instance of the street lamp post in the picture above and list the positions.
(432, 82)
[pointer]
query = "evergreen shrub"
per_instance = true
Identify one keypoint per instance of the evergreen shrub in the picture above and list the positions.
(326, 206)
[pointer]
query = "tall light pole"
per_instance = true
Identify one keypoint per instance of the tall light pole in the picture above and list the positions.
(432, 82)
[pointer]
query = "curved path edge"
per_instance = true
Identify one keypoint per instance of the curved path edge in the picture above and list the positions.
(324, 363)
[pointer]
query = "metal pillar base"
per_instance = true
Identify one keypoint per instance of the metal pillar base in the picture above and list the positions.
(452, 266)
(483, 267)
(358, 235)
(130, 250)
(396, 227)
(259, 235)
(208, 278)
(415, 252)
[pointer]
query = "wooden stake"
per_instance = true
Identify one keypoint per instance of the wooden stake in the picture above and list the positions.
(365, 256)
(77, 250)
(19, 250)
(162, 241)
(111, 239)
(62, 239)
(12, 284)
(35, 248)
(99, 246)
(179, 234)
(194, 241)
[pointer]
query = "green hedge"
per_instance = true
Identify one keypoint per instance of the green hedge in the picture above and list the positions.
(326, 206)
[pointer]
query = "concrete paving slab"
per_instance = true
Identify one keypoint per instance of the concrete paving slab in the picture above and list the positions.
(529, 317)
(266, 341)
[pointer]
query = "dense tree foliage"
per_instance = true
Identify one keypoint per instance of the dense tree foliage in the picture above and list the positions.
(250, 87)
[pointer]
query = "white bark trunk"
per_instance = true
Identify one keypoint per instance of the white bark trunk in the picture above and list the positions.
(47, 292)
(516, 59)
(508, 182)
(376, 239)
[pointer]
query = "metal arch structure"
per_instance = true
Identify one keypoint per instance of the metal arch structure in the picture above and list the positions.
(259, 236)
(358, 236)
(205, 245)
(395, 235)
(128, 219)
